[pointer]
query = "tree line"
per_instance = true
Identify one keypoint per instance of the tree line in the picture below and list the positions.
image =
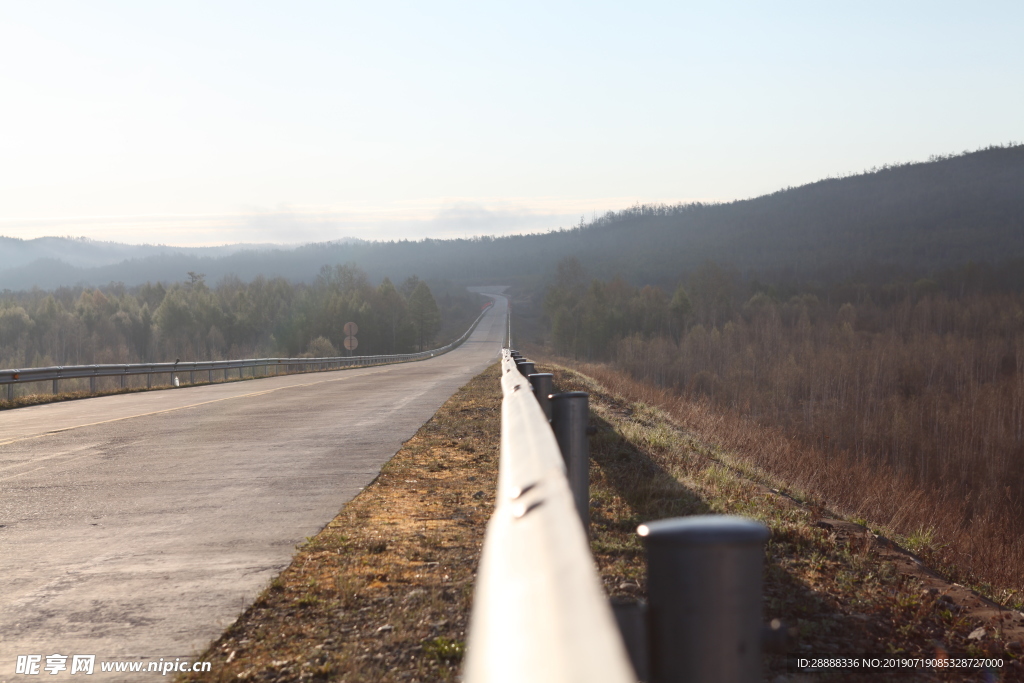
(921, 380)
(190, 320)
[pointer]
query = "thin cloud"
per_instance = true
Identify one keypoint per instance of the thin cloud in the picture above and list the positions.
(288, 225)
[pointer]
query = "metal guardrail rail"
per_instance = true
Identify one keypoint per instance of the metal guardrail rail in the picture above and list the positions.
(13, 377)
(540, 613)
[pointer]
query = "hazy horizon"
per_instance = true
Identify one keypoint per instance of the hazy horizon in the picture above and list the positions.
(203, 124)
(454, 220)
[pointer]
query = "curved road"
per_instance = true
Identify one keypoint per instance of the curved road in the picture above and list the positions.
(140, 525)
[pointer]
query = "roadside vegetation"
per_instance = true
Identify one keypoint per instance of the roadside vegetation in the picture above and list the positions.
(898, 402)
(191, 320)
(835, 586)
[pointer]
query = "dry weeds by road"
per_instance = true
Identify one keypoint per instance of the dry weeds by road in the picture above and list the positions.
(839, 588)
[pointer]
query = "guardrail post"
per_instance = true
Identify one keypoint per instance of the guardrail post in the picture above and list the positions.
(543, 384)
(54, 386)
(149, 380)
(10, 391)
(92, 384)
(123, 378)
(569, 414)
(526, 367)
(704, 592)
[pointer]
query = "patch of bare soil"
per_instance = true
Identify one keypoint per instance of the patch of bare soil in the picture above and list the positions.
(383, 592)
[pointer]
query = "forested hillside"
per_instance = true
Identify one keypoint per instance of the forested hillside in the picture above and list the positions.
(905, 397)
(81, 252)
(917, 216)
(233, 319)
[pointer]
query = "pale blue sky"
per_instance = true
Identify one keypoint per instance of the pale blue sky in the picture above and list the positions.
(212, 122)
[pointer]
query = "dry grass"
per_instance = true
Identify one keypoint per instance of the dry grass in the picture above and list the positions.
(840, 589)
(383, 592)
(978, 553)
(914, 423)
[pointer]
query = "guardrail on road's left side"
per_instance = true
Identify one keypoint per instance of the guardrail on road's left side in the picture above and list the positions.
(265, 366)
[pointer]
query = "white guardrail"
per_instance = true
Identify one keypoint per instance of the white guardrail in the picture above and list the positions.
(540, 613)
(266, 366)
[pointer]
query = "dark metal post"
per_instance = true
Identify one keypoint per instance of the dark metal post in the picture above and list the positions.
(704, 593)
(149, 380)
(123, 378)
(92, 384)
(543, 386)
(525, 367)
(55, 385)
(569, 414)
(10, 391)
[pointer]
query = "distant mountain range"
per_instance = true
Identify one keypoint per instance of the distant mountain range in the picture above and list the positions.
(82, 252)
(922, 216)
(49, 262)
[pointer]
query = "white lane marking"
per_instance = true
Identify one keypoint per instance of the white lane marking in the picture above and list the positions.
(62, 462)
(22, 474)
(45, 457)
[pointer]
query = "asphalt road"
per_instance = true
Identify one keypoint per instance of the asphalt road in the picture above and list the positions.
(141, 525)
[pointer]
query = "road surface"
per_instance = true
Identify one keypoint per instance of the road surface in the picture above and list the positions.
(141, 525)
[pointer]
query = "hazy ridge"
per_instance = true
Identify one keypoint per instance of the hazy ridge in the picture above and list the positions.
(919, 216)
